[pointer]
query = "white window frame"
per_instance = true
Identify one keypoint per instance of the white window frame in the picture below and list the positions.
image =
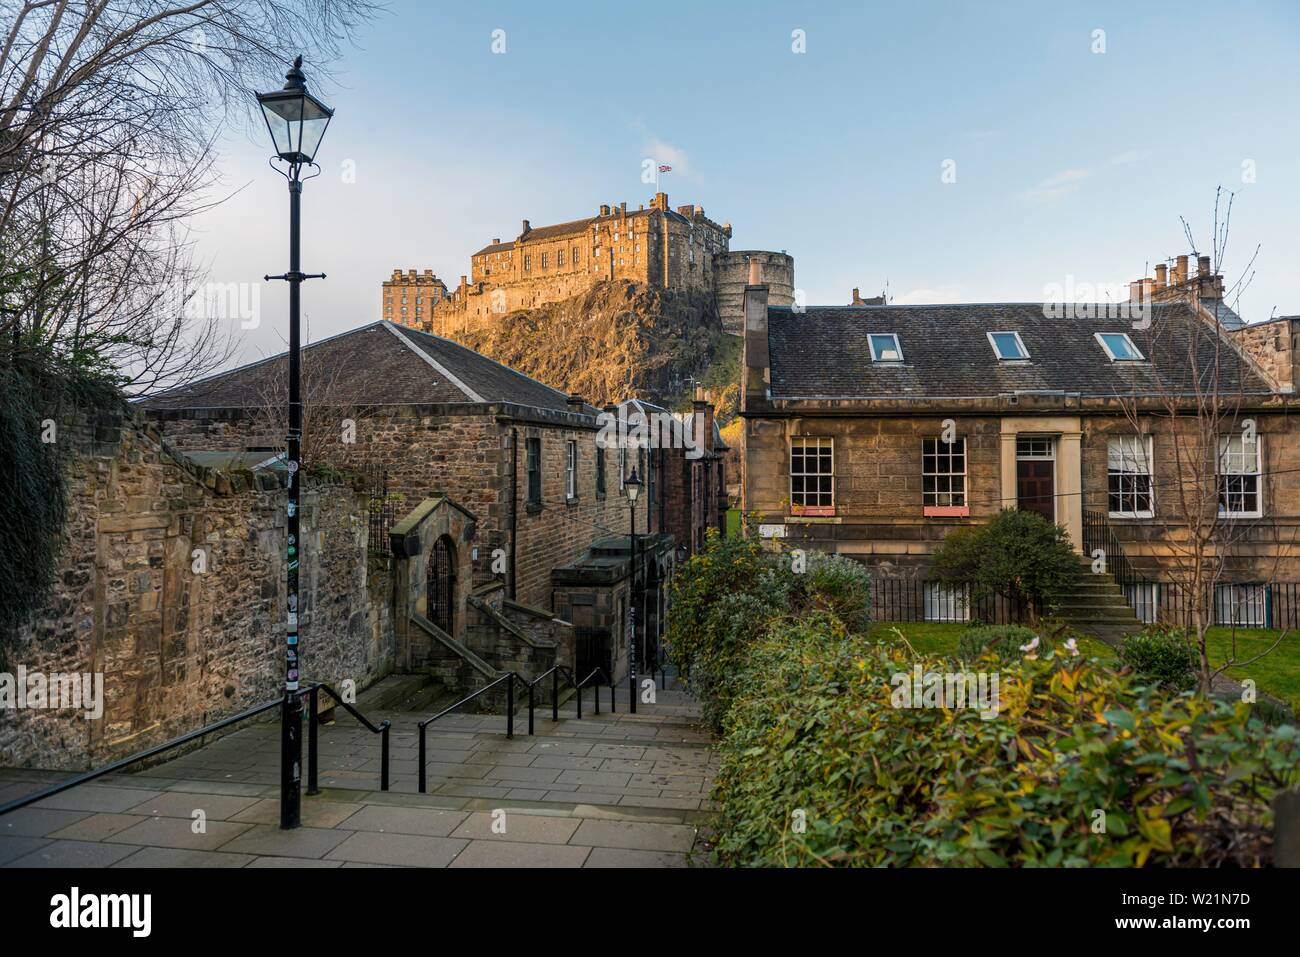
(1146, 445)
(944, 603)
(819, 442)
(944, 452)
(1020, 344)
(571, 471)
(1137, 353)
(1247, 599)
(871, 343)
(1225, 451)
(1145, 601)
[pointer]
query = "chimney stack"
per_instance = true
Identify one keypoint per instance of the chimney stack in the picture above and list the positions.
(1148, 289)
(1135, 290)
(574, 402)
(1180, 270)
(604, 210)
(526, 228)
(1202, 267)
(1162, 276)
(857, 298)
(462, 280)
(702, 407)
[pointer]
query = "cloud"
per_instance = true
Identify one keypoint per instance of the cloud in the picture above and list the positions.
(1057, 187)
(652, 147)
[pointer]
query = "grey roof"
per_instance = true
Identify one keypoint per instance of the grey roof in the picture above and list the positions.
(376, 364)
(823, 352)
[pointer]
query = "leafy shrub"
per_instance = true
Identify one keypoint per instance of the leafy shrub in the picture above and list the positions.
(1019, 556)
(1164, 656)
(839, 585)
(1002, 641)
(812, 739)
(727, 595)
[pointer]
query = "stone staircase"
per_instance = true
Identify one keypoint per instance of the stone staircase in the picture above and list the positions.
(1096, 605)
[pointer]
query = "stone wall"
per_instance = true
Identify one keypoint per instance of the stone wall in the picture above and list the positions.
(731, 275)
(1273, 345)
(172, 587)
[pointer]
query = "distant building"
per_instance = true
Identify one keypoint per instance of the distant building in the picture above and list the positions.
(677, 249)
(408, 298)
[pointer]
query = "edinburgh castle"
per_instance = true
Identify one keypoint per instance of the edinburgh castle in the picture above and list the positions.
(679, 251)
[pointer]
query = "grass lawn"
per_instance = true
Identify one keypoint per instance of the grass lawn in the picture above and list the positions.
(1277, 673)
(940, 638)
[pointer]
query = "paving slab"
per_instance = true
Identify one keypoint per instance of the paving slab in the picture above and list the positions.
(180, 857)
(635, 835)
(97, 797)
(217, 807)
(72, 854)
(97, 827)
(293, 862)
(315, 812)
(178, 832)
(403, 850)
(519, 828)
(270, 841)
(624, 857)
(37, 821)
(12, 848)
(430, 822)
(509, 854)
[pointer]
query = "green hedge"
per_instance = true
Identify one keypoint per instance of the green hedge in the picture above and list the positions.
(812, 739)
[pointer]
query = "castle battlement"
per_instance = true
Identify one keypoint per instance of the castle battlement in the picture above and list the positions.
(676, 249)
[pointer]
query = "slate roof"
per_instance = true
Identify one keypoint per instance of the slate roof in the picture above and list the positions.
(376, 364)
(824, 353)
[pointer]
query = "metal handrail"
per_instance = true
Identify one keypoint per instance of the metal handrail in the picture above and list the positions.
(509, 677)
(382, 730)
(142, 755)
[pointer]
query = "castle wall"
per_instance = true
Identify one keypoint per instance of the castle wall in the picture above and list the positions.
(731, 275)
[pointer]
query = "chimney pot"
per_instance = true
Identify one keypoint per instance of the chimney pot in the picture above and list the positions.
(1162, 276)
(1148, 288)
(1202, 266)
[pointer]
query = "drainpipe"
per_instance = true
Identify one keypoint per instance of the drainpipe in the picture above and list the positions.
(514, 507)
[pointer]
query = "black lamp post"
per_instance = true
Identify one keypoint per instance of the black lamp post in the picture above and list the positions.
(632, 486)
(297, 122)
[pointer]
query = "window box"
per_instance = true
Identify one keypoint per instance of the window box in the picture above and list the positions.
(947, 511)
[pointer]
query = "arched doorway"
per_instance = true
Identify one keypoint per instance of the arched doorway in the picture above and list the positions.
(440, 585)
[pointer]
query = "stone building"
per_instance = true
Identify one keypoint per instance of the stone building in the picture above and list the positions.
(408, 298)
(679, 249)
(521, 459)
(874, 431)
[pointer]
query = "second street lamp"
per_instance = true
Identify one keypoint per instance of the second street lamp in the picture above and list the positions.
(297, 122)
(632, 486)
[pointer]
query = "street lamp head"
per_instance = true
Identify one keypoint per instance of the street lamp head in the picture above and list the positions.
(295, 118)
(632, 486)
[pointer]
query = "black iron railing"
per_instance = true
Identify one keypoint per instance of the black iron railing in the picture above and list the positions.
(509, 678)
(382, 511)
(1098, 534)
(381, 730)
(916, 599)
(309, 691)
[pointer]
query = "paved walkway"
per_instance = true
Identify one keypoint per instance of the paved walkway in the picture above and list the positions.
(616, 790)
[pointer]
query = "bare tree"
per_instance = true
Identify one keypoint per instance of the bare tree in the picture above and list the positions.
(1205, 395)
(109, 110)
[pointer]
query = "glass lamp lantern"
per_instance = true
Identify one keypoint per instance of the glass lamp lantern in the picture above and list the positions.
(295, 119)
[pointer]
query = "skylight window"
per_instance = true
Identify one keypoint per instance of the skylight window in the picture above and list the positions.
(1008, 345)
(1119, 347)
(885, 348)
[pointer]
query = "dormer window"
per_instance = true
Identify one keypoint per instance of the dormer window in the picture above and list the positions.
(1119, 347)
(885, 348)
(1008, 345)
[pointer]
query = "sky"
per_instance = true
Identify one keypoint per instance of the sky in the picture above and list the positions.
(946, 151)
